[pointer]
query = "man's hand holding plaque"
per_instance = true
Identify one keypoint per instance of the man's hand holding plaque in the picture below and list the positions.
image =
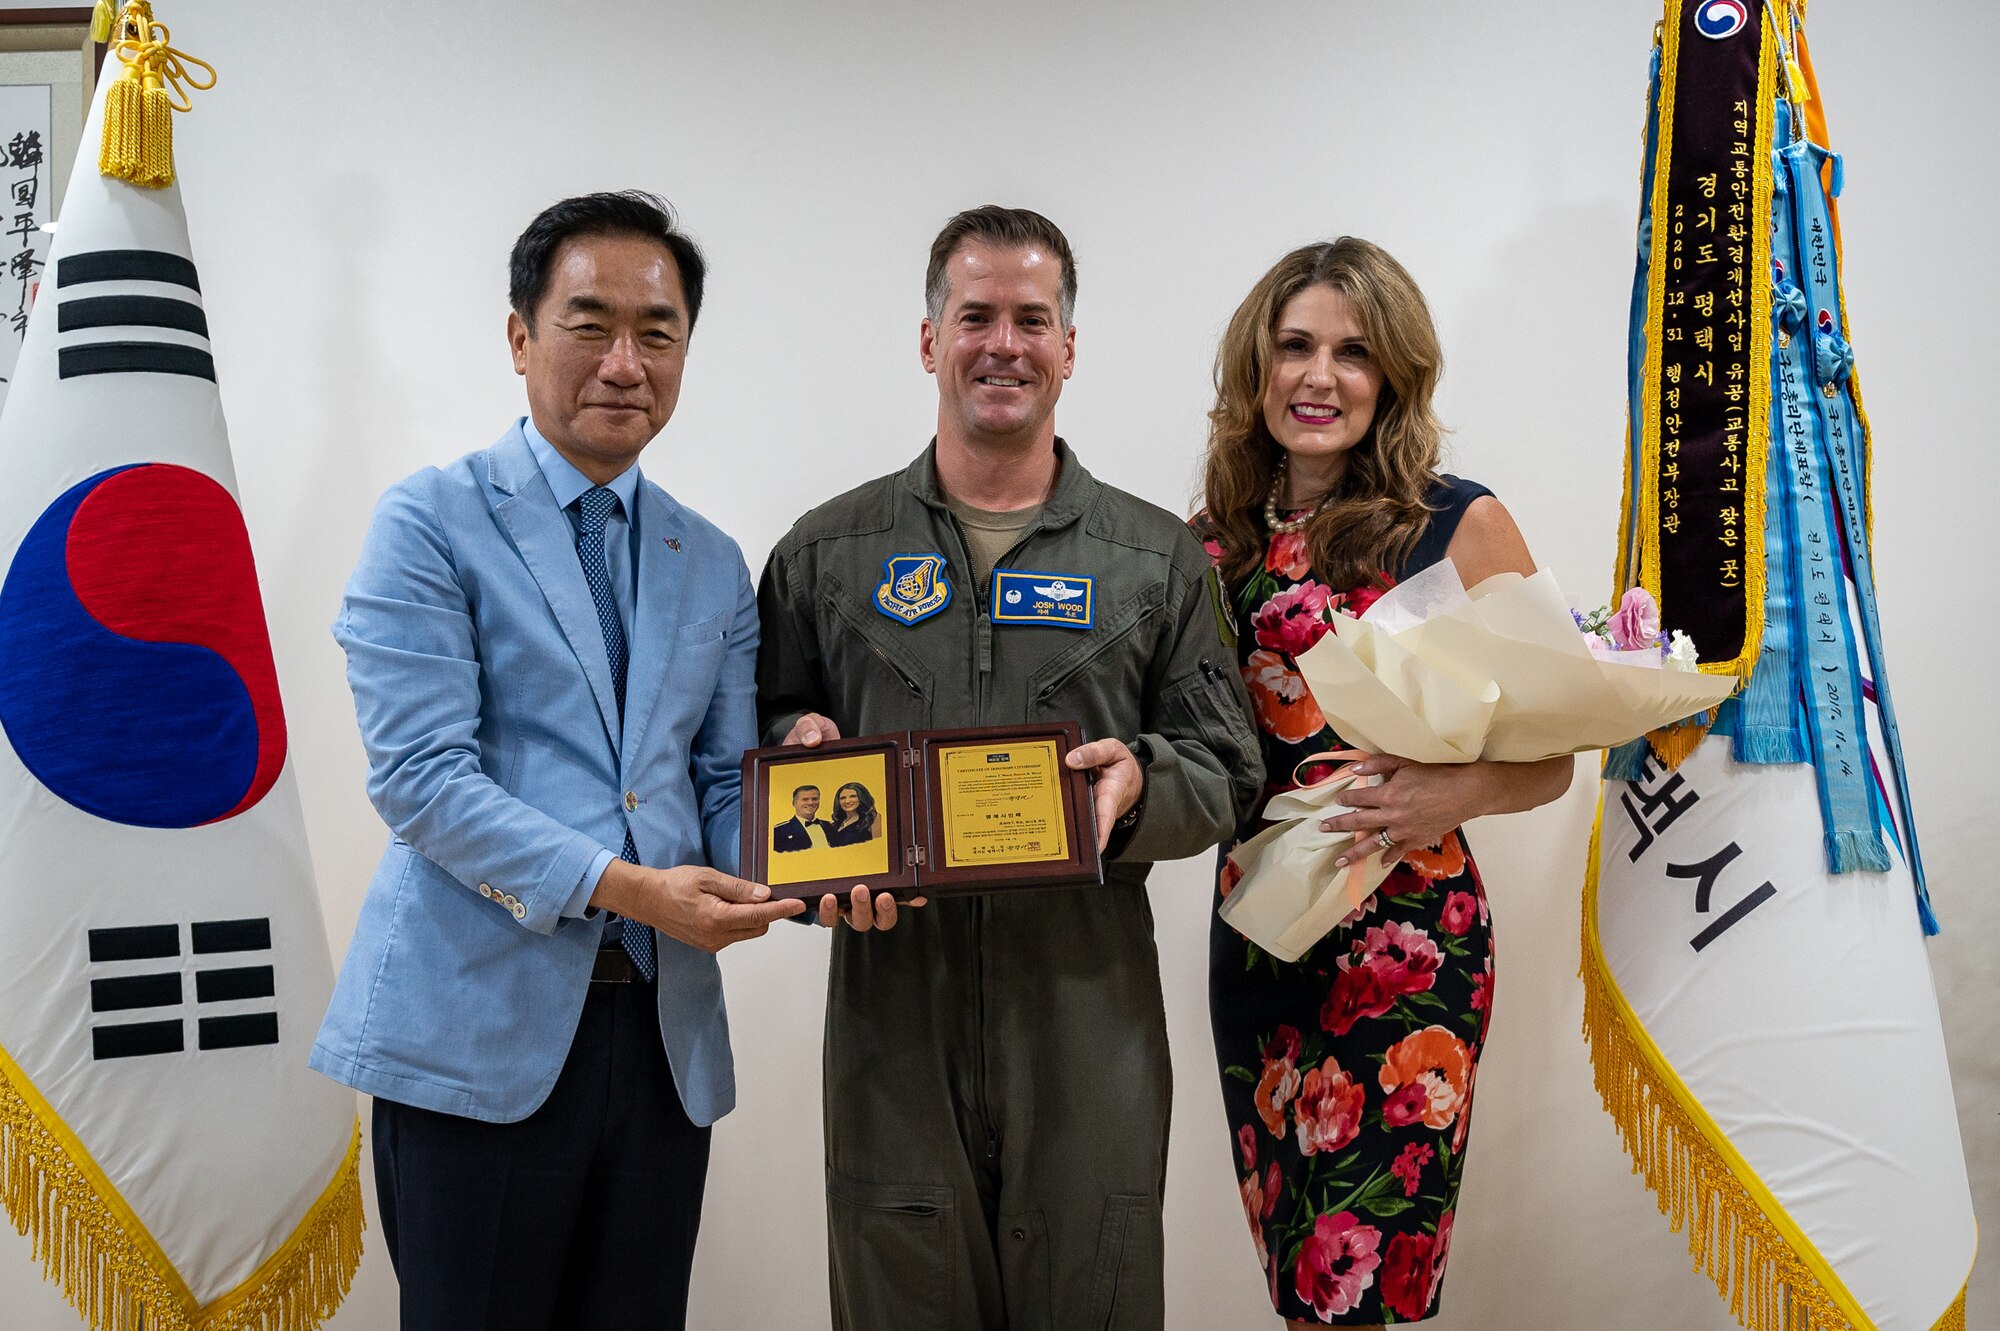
(880, 819)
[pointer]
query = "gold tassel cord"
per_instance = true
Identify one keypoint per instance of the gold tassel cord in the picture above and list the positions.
(1732, 1238)
(158, 80)
(98, 1253)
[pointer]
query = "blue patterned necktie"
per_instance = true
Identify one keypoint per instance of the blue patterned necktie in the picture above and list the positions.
(595, 507)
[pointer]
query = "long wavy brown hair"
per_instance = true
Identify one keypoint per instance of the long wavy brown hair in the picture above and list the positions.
(1375, 514)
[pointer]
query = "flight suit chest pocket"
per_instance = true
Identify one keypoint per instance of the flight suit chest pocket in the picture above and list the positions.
(877, 682)
(1104, 668)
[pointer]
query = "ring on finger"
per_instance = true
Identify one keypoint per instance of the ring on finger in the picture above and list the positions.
(1385, 841)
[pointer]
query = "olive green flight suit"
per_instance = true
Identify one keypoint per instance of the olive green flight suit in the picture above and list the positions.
(996, 1077)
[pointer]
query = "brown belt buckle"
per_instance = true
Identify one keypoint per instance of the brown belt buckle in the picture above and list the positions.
(613, 966)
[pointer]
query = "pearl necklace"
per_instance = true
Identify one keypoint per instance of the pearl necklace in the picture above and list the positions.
(1271, 520)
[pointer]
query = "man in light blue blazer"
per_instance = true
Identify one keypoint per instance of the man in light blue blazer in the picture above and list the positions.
(552, 664)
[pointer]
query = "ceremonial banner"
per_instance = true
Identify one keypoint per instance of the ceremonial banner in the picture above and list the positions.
(1757, 997)
(163, 964)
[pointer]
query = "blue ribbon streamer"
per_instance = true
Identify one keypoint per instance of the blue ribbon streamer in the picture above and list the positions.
(1838, 445)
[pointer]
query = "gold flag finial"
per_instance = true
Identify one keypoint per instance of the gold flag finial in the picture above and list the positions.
(138, 109)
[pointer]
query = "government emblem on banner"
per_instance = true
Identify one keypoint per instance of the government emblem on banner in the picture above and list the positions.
(913, 587)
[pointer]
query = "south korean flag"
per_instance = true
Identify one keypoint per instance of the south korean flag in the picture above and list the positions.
(163, 963)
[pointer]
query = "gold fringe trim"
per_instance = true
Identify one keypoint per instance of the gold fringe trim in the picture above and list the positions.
(1755, 1265)
(112, 1272)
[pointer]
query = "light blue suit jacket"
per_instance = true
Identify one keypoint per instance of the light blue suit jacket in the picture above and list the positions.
(484, 696)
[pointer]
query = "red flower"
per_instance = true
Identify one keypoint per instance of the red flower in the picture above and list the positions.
(1337, 1264)
(1404, 1106)
(1284, 706)
(1356, 993)
(1460, 910)
(1292, 620)
(1406, 1275)
(1409, 1166)
(1213, 544)
(1287, 555)
(1403, 881)
(1402, 956)
(1246, 1142)
(1232, 874)
(1285, 1044)
(1328, 1111)
(1357, 601)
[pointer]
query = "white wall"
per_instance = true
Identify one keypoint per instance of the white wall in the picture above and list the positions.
(355, 181)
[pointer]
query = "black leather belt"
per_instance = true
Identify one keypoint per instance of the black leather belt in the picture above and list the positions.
(614, 966)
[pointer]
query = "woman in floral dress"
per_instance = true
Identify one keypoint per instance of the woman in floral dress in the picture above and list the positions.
(1348, 1075)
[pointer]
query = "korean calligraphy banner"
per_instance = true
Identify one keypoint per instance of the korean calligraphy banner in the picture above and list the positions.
(163, 963)
(1758, 1000)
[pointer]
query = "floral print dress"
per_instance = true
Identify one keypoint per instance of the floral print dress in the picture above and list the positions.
(1347, 1075)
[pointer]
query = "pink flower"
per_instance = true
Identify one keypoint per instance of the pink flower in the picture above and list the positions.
(1213, 545)
(1439, 1253)
(1337, 1264)
(1409, 1166)
(1404, 1106)
(1636, 621)
(1246, 1142)
(1402, 956)
(1460, 910)
(1406, 1275)
(1293, 620)
(1328, 1111)
(1482, 996)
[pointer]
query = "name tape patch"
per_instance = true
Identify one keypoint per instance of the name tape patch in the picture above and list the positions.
(1058, 600)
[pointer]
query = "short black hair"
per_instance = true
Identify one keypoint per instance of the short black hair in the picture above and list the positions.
(1003, 228)
(625, 212)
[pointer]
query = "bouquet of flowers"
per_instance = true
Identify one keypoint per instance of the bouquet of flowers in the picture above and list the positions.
(1436, 674)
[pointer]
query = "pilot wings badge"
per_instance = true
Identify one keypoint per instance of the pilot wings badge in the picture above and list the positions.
(913, 587)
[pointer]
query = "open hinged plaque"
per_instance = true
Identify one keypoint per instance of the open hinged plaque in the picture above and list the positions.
(927, 812)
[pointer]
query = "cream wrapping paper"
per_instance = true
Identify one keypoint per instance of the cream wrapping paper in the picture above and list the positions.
(1436, 674)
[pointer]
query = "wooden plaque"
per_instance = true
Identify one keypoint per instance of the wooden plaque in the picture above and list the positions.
(927, 812)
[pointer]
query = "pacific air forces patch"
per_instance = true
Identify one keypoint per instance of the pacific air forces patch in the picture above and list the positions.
(913, 587)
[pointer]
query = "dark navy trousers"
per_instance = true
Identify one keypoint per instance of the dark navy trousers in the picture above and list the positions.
(582, 1215)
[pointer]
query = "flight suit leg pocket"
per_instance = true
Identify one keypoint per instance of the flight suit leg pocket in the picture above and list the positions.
(1128, 1288)
(890, 1247)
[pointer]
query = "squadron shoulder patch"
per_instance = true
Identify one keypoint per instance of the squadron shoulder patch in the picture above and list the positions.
(1058, 600)
(913, 587)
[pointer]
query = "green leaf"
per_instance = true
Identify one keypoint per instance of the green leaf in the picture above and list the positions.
(1240, 1073)
(1384, 1207)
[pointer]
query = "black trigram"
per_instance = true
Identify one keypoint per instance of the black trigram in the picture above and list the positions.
(76, 312)
(163, 989)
